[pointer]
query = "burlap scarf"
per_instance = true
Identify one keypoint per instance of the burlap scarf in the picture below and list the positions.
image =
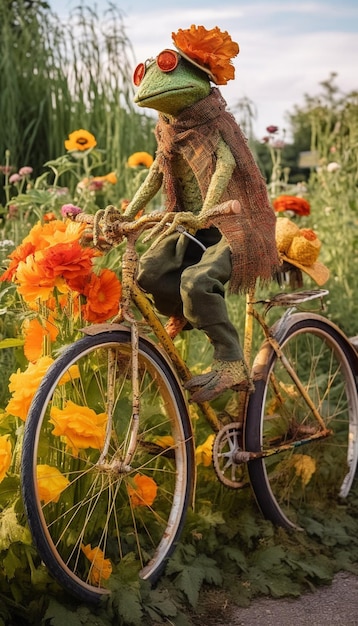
(194, 135)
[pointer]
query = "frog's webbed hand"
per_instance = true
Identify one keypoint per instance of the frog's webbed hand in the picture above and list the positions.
(184, 221)
(218, 213)
(106, 225)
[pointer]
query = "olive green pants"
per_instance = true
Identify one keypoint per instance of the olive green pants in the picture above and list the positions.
(185, 280)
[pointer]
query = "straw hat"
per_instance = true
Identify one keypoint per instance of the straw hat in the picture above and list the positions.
(300, 247)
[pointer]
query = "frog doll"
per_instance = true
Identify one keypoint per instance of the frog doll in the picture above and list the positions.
(202, 160)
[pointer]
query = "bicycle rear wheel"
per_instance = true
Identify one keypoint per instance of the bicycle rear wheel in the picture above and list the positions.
(305, 479)
(91, 512)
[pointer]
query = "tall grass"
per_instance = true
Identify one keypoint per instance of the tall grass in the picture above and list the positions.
(57, 77)
(333, 195)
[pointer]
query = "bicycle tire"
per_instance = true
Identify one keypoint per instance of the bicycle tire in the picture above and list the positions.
(107, 508)
(295, 485)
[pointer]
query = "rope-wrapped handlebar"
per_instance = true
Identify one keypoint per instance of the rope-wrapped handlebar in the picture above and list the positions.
(109, 226)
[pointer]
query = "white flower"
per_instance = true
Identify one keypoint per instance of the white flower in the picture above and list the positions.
(333, 166)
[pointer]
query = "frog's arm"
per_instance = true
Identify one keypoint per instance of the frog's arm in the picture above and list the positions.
(146, 191)
(225, 165)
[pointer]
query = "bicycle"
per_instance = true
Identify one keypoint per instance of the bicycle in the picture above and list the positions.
(124, 497)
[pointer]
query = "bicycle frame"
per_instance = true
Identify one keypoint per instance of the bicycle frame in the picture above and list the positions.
(131, 293)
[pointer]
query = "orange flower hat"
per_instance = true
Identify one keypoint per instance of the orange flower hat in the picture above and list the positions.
(209, 50)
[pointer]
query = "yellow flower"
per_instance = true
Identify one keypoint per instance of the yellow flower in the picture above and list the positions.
(305, 467)
(23, 386)
(72, 373)
(80, 426)
(80, 140)
(165, 442)
(50, 482)
(101, 568)
(140, 159)
(111, 178)
(204, 452)
(5, 455)
(144, 491)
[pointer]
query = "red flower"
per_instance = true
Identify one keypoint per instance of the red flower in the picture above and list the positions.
(298, 205)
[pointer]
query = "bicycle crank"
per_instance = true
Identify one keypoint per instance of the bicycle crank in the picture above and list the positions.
(229, 459)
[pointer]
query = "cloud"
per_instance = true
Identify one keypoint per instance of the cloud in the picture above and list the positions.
(275, 72)
(286, 48)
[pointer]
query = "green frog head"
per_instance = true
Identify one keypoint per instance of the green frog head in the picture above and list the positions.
(170, 83)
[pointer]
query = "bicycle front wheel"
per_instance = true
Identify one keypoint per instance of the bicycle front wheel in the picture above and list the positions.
(300, 474)
(106, 498)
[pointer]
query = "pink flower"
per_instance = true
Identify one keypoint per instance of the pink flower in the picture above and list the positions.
(70, 209)
(278, 144)
(5, 169)
(26, 170)
(15, 178)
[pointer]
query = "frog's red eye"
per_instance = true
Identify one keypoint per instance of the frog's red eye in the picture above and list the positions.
(167, 60)
(138, 74)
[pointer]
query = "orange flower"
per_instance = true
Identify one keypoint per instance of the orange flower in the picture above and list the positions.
(57, 231)
(101, 568)
(103, 293)
(34, 283)
(80, 140)
(19, 254)
(212, 49)
(144, 492)
(298, 205)
(80, 426)
(23, 386)
(138, 159)
(50, 482)
(49, 217)
(35, 333)
(96, 183)
(5, 456)
(67, 260)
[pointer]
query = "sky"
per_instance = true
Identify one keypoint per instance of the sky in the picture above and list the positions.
(287, 48)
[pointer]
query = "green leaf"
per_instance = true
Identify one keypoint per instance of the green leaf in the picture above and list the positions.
(266, 559)
(190, 581)
(282, 585)
(192, 576)
(125, 602)
(236, 555)
(11, 563)
(11, 342)
(58, 615)
(159, 602)
(11, 531)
